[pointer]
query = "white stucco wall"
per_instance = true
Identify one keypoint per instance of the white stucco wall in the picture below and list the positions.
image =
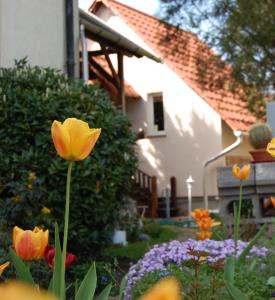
(35, 29)
(193, 128)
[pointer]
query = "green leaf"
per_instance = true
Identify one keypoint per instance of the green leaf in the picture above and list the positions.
(271, 281)
(122, 287)
(56, 279)
(246, 251)
(229, 270)
(105, 293)
(22, 270)
(88, 285)
(234, 292)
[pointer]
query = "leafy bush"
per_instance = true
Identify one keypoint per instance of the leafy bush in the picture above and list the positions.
(247, 280)
(33, 176)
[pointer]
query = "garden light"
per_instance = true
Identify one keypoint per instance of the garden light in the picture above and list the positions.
(30, 245)
(189, 182)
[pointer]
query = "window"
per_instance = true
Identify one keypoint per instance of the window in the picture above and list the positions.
(156, 112)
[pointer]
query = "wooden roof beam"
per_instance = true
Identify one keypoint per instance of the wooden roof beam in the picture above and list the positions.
(94, 64)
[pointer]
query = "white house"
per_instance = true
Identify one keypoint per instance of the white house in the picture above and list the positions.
(185, 122)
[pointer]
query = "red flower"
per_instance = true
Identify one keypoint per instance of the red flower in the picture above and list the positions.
(49, 257)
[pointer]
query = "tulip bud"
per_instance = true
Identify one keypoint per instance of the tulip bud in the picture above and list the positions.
(165, 289)
(241, 173)
(74, 140)
(29, 244)
(13, 290)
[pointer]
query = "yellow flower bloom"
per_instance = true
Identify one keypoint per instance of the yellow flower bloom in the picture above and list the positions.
(17, 199)
(200, 213)
(207, 223)
(3, 267)
(271, 147)
(241, 173)
(14, 290)
(45, 210)
(203, 235)
(32, 176)
(74, 140)
(29, 244)
(29, 186)
(165, 289)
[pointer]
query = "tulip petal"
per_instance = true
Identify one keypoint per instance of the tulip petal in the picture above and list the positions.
(13, 290)
(82, 137)
(271, 147)
(3, 267)
(236, 171)
(61, 140)
(29, 244)
(89, 144)
(165, 289)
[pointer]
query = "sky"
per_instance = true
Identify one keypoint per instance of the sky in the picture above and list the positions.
(148, 6)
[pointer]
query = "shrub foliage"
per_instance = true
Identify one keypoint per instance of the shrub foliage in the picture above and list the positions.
(30, 99)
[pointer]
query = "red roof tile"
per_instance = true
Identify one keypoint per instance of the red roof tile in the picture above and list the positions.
(187, 56)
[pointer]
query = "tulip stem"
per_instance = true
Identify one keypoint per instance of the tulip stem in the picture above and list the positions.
(238, 219)
(66, 227)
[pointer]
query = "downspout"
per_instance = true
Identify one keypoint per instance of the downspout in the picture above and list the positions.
(239, 138)
(69, 8)
(85, 72)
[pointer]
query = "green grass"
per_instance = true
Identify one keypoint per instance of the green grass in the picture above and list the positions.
(136, 250)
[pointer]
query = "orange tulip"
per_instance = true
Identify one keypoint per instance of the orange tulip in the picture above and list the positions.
(29, 244)
(200, 213)
(74, 140)
(3, 267)
(14, 290)
(271, 147)
(166, 289)
(241, 173)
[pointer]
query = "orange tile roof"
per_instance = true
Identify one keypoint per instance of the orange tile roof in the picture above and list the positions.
(187, 55)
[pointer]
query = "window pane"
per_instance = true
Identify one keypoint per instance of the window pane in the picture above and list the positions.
(158, 113)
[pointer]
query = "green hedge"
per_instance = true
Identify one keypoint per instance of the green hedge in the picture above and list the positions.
(30, 99)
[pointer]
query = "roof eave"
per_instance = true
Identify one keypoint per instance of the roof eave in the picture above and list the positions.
(98, 27)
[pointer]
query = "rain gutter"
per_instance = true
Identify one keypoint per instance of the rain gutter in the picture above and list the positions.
(239, 138)
(85, 68)
(95, 25)
(69, 12)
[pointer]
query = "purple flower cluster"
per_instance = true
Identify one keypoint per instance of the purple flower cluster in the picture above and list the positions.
(160, 256)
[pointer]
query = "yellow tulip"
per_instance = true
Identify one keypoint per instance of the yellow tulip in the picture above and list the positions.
(14, 290)
(74, 140)
(271, 147)
(29, 244)
(3, 267)
(241, 173)
(166, 289)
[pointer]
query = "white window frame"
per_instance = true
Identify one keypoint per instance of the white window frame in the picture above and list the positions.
(150, 115)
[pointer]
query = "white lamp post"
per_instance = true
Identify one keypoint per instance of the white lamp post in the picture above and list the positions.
(189, 181)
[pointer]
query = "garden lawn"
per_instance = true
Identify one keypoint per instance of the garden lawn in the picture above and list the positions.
(134, 251)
